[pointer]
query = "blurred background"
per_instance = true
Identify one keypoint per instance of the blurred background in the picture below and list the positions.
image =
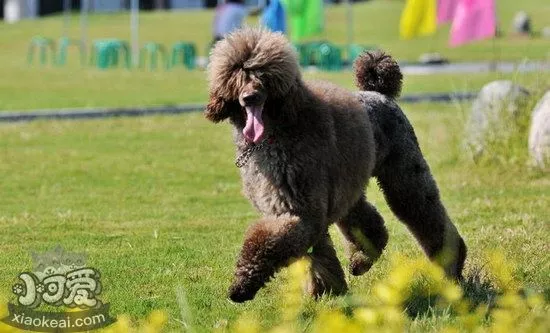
(56, 53)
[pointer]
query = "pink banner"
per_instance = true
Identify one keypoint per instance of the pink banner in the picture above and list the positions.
(446, 10)
(473, 20)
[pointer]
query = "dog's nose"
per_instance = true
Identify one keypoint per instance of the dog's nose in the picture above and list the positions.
(251, 98)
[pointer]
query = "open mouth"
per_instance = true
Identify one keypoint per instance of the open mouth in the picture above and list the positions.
(254, 129)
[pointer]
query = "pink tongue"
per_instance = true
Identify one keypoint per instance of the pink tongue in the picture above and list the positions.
(254, 128)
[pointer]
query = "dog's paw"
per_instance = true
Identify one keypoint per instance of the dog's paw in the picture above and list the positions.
(359, 264)
(239, 293)
(317, 287)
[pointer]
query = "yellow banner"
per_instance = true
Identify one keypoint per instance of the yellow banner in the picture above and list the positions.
(418, 19)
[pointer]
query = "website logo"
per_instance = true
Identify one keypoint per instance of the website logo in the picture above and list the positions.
(58, 279)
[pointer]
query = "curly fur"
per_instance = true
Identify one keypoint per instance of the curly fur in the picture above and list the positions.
(322, 145)
(379, 72)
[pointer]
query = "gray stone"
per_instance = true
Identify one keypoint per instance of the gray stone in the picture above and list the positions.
(545, 32)
(494, 112)
(522, 23)
(432, 59)
(539, 134)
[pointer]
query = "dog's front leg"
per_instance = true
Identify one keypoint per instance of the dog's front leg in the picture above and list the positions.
(326, 273)
(269, 245)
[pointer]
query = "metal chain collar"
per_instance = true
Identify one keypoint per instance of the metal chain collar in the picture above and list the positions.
(243, 158)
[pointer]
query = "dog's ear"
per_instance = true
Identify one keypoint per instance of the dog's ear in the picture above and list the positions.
(217, 109)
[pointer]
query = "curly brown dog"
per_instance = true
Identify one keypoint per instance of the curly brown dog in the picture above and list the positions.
(307, 151)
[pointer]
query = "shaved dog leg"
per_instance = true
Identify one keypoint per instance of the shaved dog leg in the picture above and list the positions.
(365, 236)
(269, 245)
(413, 196)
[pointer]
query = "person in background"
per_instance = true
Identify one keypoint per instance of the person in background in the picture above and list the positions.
(229, 16)
(273, 17)
(306, 18)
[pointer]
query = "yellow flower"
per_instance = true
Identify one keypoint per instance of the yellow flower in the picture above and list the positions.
(462, 306)
(367, 315)
(510, 300)
(335, 321)
(393, 315)
(535, 300)
(158, 318)
(123, 324)
(293, 295)
(470, 321)
(401, 275)
(387, 295)
(452, 292)
(503, 321)
(501, 271)
(434, 272)
(246, 324)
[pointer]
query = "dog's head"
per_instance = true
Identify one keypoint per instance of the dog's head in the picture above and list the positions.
(249, 69)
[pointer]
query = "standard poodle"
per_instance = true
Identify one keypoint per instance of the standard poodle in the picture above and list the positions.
(306, 151)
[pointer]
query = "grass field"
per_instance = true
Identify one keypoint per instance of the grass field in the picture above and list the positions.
(24, 87)
(156, 203)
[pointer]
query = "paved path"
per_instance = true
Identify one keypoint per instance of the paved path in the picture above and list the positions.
(458, 67)
(94, 113)
(476, 67)
(407, 68)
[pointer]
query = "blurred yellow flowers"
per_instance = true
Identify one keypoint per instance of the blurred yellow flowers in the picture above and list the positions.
(510, 309)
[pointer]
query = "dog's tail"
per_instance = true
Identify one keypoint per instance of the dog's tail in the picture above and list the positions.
(377, 71)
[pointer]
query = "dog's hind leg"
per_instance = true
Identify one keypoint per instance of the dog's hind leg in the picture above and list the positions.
(408, 185)
(365, 236)
(326, 272)
(413, 196)
(269, 245)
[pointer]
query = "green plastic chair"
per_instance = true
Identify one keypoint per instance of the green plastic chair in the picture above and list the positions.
(152, 51)
(307, 52)
(299, 48)
(64, 44)
(43, 44)
(184, 53)
(106, 53)
(326, 56)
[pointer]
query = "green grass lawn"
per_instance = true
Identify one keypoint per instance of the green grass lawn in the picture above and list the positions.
(376, 23)
(156, 204)
(121, 88)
